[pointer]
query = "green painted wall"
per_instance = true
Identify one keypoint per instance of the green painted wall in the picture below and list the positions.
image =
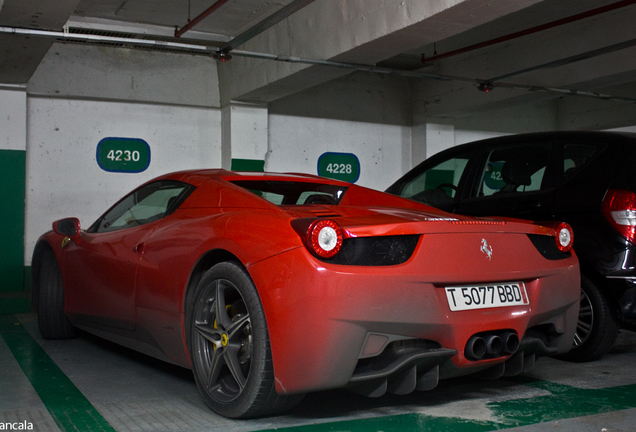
(12, 179)
(252, 165)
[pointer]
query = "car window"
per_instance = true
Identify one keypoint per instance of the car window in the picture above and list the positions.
(438, 184)
(294, 193)
(514, 169)
(147, 204)
(576, 156)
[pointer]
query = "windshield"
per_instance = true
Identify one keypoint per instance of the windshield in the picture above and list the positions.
(294, 193)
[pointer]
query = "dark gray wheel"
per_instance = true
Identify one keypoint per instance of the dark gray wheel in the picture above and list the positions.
(597, 327)
(52, 320)
(229, 345)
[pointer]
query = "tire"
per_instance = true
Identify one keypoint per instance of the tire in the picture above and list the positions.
(52, 320)
(597, 327)
(229, 345)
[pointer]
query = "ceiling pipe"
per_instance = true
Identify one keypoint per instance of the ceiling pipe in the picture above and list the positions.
(13, 86)
(531, 30)
(203, 49)
(206, 50)
(206, 13)
(268, 22)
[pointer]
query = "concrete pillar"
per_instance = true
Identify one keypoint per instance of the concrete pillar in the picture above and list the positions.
(418, 145)
(244, 136)
(439, 136)
(428, 138)
(13, 120)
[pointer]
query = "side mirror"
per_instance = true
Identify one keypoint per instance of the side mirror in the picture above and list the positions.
(69, 227)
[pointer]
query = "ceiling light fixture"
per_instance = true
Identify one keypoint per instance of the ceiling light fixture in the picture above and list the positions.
(222, 56)
(485, 87)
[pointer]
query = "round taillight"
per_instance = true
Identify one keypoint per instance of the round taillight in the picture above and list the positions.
(325, 238)
(564, 237)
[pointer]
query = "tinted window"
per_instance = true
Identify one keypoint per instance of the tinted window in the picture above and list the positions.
(576, 156)
(514, 169)
(438, 184)
(294, 193)
(147, 204)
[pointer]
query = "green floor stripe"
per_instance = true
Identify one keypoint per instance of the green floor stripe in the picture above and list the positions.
(564, 402)
(67, 405)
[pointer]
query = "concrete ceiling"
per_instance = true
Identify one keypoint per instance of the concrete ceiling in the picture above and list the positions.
(593, 57)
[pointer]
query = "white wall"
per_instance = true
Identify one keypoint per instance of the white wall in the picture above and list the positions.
(438, 137)
(296, 143)
(365, 114)
(97, 72)
(63, 177)
(466, 136)
(13, 119)
(433, 137)
(81, 94)
(244, 133)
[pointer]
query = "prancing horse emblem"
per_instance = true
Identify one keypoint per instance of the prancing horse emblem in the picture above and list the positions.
(486, 249)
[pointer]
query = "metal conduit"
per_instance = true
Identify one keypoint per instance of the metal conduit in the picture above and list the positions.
(110, 39)
(199, 49)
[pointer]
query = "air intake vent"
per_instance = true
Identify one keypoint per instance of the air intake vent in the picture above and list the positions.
(324, 213)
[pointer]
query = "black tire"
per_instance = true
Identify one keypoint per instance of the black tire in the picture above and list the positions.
(229, 345)
(597, 327)
(52, 320)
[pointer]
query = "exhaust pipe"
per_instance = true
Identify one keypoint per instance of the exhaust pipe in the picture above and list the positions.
(493, 345)
(475, 348)
(510, 342)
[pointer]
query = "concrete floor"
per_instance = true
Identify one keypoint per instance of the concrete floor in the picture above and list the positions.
(90, 384)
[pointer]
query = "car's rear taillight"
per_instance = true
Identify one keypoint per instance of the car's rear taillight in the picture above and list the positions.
(564, 237)
(562, 234)
(619, 207)
(324, 238)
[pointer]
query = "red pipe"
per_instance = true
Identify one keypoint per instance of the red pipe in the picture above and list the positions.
(201, 17)
(531, 30)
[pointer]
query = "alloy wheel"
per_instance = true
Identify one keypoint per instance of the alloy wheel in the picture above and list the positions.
(585, 322)
(223, 340)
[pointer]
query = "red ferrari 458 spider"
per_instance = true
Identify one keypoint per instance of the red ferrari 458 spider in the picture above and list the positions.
(269, 286)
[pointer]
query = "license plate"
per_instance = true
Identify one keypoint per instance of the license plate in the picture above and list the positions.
(486, 296)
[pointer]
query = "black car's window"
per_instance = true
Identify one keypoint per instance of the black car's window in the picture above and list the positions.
(438, 184)
(146, 204)
(576, 156)
(514, 169)
(294, 193)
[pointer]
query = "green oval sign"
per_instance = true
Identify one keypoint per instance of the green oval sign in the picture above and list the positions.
(493, 177)
(339, 166)
(129, 155)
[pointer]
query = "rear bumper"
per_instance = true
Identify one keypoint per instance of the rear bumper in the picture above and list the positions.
(627, 302)
(619, 273)
(368, 327)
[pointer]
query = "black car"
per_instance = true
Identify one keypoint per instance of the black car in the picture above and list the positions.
(587, 179)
